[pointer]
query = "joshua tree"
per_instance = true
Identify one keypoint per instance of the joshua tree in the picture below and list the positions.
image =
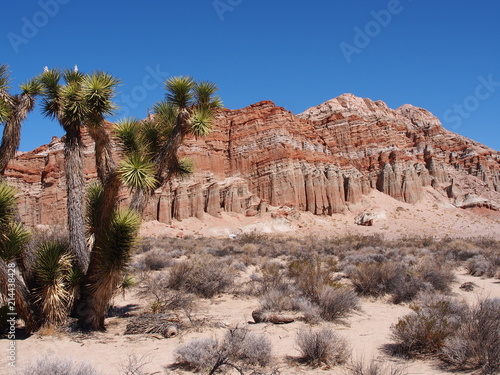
(13, 111)
(149, 148)
(82, 100)
(189, 107)
(62, 273)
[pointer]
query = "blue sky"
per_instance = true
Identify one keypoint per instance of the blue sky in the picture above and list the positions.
(440, 55)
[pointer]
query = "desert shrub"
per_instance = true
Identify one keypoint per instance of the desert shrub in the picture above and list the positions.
(480, 266)
(356, 258)
(356, 242)
(161, 298)
(434, 319)
(458, 249)
(198, 354)
(322, 346)
(310, 276)
(134, 365)
(412, 242)
(156, 260)
(375, 279)
(337, 302)
(439, 276)
(407, 287)
(281, 299)
(476, 344)
(238, 346)
(311, 312)
(272, 277)
(248, 347)
(58, 366)
(205, 276)
(374, 368)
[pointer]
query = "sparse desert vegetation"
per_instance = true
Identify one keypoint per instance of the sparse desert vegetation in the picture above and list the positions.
(317, 288)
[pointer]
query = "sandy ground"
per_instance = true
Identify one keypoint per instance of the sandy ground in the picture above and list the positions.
(367, 331)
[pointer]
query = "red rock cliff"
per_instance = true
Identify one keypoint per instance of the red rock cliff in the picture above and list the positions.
(322, 161)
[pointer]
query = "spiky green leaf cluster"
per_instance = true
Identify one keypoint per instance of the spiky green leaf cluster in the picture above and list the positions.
(198, 97)
(202, 121)
(120, 240)
(4, 78)
(81, 99)
(8, 205)
(52, 266)
(127, 133)
(95, 195)
(4, 112)
(99, 90)
(180, 91)
(137, 171)
(52, 263)
(166, 113)
(32, 87)
(4, 95)
(13, 241)
(186, 166)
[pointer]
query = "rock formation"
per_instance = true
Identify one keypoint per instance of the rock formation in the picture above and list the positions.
(322, 161)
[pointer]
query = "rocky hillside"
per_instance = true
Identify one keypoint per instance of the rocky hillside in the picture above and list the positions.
(323, 161)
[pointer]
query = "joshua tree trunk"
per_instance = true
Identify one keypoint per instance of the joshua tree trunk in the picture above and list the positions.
(21, 105)
(75, 186)
(103, 154)
(166, 161)
(106, 171)
(96, 293)
(22, 297)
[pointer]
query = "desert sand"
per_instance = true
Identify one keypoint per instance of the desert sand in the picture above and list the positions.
(367, 330)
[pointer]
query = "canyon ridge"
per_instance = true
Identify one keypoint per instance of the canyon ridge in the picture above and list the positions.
(264, 161)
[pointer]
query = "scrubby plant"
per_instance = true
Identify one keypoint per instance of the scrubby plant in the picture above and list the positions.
(273, 277)
(205, 276)
(322, 346)
(280, 299)
(434, 319)
(375, 279)
(337, 302)
(134, 365)
(439, 276)
(58, 366)
(479, 265)
(198, 354)
(374, 368)
(156, 260)
(238, 347)
(311, 276)
(160, 298)
(475, 345)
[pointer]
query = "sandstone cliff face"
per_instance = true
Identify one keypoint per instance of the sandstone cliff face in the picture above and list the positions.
(323, 161)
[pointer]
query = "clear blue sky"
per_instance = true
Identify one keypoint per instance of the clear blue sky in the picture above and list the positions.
(441, 55)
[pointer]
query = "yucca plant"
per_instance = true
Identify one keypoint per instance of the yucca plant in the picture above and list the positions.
(81, 100)
(13, 239)
(91, 268)
(189, 107)
(52, 266)
(13, 111)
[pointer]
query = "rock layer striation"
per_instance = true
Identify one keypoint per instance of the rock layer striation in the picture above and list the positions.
(323, 161)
